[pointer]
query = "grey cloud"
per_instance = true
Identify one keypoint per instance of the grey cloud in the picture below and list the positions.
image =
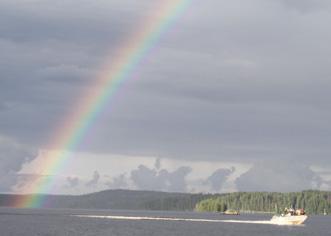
(65, 21)
(13, 156)
(94, 181)
(278, 175)
(306, 6)
(118, 182)
(49, 45)
(218, 178)
(232, 80)
(145, 178)
(4, 107)
(328, 184)
(72, 181)
(176, 180)
(25, 179)
(157, 164)
(219, 109)
(151, 179)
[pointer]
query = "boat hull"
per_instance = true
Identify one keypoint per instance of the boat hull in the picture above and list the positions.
(289, 220)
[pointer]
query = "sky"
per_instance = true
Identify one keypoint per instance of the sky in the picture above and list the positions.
(235, 96)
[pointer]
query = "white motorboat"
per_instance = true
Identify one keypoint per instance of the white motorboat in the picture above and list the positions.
(290, 217)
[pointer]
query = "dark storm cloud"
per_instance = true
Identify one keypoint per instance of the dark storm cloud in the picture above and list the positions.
(35, 21)
(49, 51)
(261, 93)
(232, 80)
(3, 106)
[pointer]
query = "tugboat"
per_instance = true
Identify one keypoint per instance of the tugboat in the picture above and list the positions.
(290, 217)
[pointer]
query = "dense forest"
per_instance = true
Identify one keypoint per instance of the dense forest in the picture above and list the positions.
(314, 202)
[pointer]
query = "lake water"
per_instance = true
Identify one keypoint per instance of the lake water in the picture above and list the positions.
(49, 222)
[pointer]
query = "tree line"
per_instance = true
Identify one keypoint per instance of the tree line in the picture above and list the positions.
(314, 202)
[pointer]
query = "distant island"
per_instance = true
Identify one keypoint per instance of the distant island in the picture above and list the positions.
(314, 202)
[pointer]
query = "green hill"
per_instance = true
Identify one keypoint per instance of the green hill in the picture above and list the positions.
(117, 199)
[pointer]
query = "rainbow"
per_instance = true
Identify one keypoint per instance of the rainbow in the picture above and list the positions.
(75, 126)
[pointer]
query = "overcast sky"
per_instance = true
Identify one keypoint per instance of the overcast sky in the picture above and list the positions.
(235, 96)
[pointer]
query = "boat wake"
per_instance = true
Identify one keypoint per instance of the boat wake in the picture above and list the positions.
(114, 217)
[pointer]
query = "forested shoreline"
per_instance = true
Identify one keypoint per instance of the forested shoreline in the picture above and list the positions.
(314, 202)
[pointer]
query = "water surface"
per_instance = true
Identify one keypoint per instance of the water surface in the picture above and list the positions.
(49, 222)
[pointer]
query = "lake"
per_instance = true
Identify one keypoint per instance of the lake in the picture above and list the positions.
(49, 222)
